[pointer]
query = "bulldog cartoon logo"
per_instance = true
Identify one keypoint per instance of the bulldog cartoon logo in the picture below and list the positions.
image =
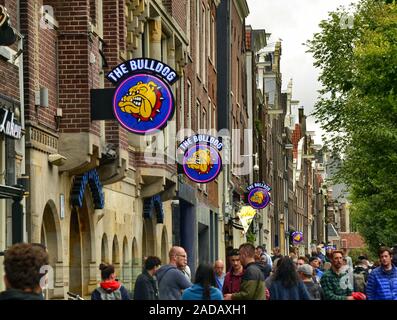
(200, 161)
(143, 101)
(297, 237)
(257, 197)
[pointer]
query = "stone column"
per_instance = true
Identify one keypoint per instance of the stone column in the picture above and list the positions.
(59, 281)
(155, 38)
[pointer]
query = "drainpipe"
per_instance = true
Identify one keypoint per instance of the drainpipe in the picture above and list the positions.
(22, 117)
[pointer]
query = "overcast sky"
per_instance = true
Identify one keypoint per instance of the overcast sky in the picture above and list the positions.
(295, 21)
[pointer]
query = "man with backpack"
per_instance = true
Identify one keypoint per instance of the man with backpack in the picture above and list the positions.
(360, 276)
(170, 278)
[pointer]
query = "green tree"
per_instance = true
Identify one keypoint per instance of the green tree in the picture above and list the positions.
(358, 110)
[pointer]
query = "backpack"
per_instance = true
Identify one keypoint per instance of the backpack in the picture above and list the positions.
(114, 295)
(360, 281)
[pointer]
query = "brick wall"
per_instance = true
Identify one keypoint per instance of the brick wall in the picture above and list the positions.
(114, 36)
(162, 162)
(296, 136)
(47, 52)
(200, 92)
(9, 73)
(239, 107)
(28, 18)
(62, 53)
(353, 240)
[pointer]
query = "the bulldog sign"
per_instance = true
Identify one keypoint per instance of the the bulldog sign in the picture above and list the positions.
(258, 195)
(143, 101)
(202, 161)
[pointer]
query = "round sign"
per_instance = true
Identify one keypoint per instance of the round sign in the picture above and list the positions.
(297, 237)
(143, 103)
(202, 163)
(258, 198)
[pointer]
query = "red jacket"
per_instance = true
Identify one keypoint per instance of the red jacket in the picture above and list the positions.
(232, 282)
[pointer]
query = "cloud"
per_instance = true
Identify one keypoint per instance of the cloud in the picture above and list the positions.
(295, 21)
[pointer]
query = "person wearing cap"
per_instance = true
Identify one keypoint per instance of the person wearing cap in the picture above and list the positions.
(382, 281)
(305, 272)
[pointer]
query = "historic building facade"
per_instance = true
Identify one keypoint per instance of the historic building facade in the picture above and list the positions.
(95, 195)
(12, 140)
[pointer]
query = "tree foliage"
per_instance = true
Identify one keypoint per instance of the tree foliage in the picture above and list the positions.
(358, 110)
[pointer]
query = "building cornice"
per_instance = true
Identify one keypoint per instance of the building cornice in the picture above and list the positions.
(170, 22)
(242, 8)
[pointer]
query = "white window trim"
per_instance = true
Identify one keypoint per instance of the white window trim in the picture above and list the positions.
(198, 52)
(182, 102)
(189, 101)
(198, 110)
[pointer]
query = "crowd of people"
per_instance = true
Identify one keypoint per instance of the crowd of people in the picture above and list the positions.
(252, 274)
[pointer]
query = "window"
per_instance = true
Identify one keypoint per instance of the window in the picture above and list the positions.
(214, 124)
(213, 42)
(202, 45)
(164, 48)
(198, 55)
(238, 79)
(188, 23)
(189, 105)
(205, 120)
(99, 22)
(182, 103)
(198, 115)
(209, 110)
(209, 31)
(166, 132)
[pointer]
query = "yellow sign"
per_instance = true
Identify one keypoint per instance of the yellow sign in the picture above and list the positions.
(246, 214)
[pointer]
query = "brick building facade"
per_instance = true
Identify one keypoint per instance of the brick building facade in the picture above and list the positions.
(12, 141)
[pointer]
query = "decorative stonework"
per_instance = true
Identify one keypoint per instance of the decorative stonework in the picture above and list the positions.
(136, 13)
(39, 139)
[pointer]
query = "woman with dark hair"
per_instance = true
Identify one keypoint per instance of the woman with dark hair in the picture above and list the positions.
(286, 284)
(204, 287)
(109, 288)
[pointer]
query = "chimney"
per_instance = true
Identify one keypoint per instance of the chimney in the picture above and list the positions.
(301, 110)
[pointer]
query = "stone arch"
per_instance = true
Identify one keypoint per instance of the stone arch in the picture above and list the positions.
(116, 255)
(51, 237)
(148, 238)
(126, 265)
(82, 249)
(164, 246)
(105, 249)
(135, 261)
